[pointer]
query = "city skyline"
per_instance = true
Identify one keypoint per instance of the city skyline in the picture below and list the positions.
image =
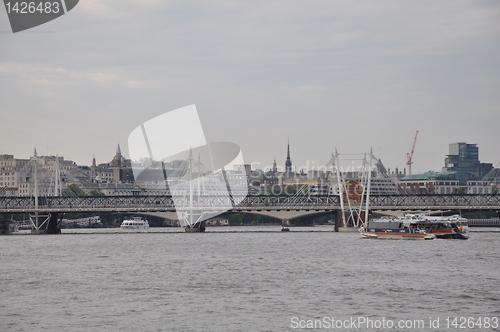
(327, 74)
(256, 165)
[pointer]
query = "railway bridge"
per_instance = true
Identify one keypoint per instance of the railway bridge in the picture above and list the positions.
(45, 210)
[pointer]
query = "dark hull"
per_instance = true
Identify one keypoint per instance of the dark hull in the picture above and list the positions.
(452, 236)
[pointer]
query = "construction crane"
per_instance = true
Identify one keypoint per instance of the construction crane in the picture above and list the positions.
(409, 155)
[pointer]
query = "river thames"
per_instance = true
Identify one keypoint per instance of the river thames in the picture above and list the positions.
(247, 279)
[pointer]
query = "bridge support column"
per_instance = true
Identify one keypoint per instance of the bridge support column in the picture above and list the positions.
(286, 223)
(198, 227)
(47, 224)
(53, 227)
(348, 226)
(339, 221)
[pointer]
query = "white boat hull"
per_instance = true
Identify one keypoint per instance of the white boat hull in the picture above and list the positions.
(135, 223)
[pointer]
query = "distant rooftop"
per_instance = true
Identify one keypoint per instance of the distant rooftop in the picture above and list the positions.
(437, 175)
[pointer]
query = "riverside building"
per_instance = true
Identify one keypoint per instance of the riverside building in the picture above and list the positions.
(464, 157)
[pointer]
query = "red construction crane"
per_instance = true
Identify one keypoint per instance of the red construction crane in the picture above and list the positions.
(409, 155)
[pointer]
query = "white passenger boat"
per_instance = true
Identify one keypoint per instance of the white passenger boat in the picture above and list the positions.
(443, 227)
(417, 226)
(394, 230)
(134, 223)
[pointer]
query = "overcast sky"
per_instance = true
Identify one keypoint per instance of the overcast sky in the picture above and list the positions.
(351, 75)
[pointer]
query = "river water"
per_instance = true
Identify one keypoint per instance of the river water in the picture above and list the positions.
(246, 279)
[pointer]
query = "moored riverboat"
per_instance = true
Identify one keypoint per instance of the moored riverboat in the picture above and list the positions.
(217, 222)
(8, 227)
(134, 223)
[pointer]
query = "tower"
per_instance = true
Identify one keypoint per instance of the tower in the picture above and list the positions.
(118, 150)
(93, 172)
(288, 163)
(118, 158)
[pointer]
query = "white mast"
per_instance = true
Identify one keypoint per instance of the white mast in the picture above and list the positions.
(56, 186)
(340, 185)
(199, 176)
(36, 189)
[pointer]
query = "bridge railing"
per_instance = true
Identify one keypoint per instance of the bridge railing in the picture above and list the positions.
(160, 203)
(433, 202)
(166, 203)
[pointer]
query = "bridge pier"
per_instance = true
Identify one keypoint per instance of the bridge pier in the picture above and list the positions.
(198, 227)
(349, 225)
(53, 227)
(45, 224)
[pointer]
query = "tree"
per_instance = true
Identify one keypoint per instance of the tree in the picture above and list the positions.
(73, 190)
(459, 191)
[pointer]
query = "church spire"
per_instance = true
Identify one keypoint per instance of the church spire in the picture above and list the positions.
(118, 160)
(288, 163)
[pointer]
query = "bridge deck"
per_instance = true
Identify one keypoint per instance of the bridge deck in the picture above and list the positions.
(250, 203)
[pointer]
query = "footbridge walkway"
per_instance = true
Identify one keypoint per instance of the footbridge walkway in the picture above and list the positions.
(249, 204)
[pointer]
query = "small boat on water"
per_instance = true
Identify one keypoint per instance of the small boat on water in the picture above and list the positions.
(134, 223)
(394, 230)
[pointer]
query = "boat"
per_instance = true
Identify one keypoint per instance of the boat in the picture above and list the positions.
(443, 227)
(24, 225)
(135, 223)
(8, 227)
(13, 227)
(217, 222)
(394, 230)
